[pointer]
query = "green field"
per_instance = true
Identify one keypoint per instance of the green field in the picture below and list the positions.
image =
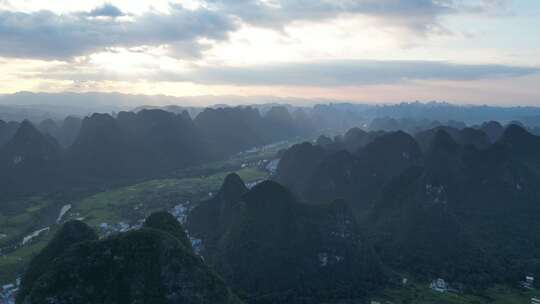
(21, 217)
(138, 201)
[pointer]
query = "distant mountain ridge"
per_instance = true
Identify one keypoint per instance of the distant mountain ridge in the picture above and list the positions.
(335, 114)
(103, 148)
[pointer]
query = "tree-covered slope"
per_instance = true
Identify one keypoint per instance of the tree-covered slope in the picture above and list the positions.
(150, 265)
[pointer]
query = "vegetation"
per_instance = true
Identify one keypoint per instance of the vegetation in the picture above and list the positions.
(353, 213)
(271, 248)
(144, 266)
(111, 206)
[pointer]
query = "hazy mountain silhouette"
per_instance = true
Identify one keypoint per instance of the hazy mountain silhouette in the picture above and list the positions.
(7, 130)
(103, 148)
(29, 161)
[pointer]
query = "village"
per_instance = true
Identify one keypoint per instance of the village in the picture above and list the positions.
(9, 291)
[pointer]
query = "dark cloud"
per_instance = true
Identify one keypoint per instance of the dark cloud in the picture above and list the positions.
(412, 13)
(346, 73)
(421, 16)
(46, 35)
(106, 10)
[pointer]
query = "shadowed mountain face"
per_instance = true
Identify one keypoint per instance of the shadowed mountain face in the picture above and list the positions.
(71, 233)
(230, 130)
(150, 265)
(69, 131)
(48, 126)
(358, 178)
(328, 171)
(465, 136)
(278, 122)
(7, 130)
(415, 229)
(273, 249)
(28, 160)
(493, 130)
(148, 142)
(522, 146)
(356, 138)
(165, 222)
(101, 148)
(29, 147)
(211, 219)
(298, 164)
(463, 212)
(65, 132)
(463, 209)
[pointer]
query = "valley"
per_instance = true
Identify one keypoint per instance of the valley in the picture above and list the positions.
(120, 208)
(270, 152)
(442, 213)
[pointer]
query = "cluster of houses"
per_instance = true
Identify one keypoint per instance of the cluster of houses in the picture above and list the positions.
(107, 229)
(440, 285)
(8, 292)
(180, 212)
(528, 283)
(269, 165)
(272, 166)
(437, 194)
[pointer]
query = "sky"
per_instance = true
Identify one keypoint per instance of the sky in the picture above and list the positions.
(460, 51)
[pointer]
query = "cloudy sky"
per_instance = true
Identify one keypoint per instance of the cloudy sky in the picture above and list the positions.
(461, 51)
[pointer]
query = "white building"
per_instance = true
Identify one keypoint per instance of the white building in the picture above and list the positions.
(528, 283)
(439, 285)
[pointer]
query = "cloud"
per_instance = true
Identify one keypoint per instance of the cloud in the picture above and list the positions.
(336, 73)
(324, 74)
(106, 10)
(46, 35)
(420, 16)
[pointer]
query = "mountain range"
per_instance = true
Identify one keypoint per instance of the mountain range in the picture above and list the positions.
(445, 203)
(102, 148)
(342, 220)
